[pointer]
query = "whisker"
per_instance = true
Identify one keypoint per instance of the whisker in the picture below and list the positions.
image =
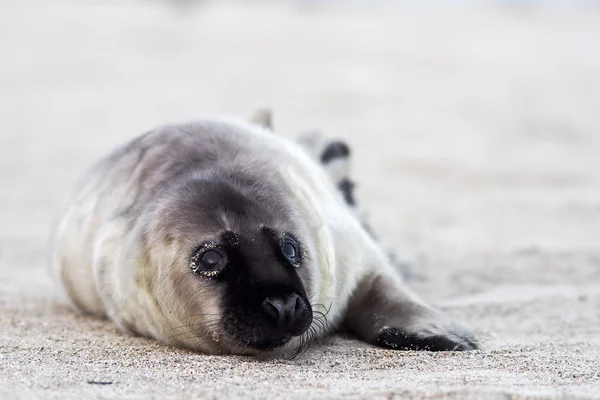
(319, 305)
(195, 324)
(201, 315)
(318, 326)
(194, 328)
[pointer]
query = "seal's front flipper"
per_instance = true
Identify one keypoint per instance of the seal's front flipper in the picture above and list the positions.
(383, 312)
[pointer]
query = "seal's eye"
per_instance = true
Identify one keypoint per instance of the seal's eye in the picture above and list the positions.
(211, 258)
(289, 251)
(208, 261)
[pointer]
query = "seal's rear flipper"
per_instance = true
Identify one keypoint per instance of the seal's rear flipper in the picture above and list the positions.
(383, 312)
(335, 156)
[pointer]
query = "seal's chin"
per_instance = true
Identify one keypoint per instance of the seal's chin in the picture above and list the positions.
(269, 344)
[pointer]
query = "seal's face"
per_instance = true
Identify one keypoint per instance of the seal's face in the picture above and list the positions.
(238, 272)
(264, 303)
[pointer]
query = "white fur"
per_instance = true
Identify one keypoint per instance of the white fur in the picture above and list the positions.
(97, 262)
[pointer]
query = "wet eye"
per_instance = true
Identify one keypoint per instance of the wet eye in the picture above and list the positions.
(290, 252)
(208, 262)
(211, 258)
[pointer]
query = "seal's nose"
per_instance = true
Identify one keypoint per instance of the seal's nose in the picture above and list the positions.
(288, 313)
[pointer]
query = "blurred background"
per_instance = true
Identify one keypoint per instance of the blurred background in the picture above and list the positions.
(475, 124)
(475, 127)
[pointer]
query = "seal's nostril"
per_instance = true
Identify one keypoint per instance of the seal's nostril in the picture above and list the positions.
(274, 308)
(299, 305)
(284, 311)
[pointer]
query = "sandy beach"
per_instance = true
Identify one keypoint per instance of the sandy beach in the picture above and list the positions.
(476, 134)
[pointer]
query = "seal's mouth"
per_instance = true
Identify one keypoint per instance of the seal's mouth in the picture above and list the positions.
(269, 344)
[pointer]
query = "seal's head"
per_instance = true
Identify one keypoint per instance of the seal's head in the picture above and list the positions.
(231, 267)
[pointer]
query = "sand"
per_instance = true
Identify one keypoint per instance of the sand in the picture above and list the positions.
(477, 144)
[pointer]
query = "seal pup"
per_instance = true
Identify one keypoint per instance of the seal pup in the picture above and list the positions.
(225, 238)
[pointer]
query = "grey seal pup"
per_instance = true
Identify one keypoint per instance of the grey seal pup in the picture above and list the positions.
(222, 237)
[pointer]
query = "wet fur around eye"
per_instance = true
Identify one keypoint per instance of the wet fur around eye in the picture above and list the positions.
(300, 252)
(198, 265)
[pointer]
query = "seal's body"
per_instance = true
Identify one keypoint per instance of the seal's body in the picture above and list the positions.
(223, 237)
